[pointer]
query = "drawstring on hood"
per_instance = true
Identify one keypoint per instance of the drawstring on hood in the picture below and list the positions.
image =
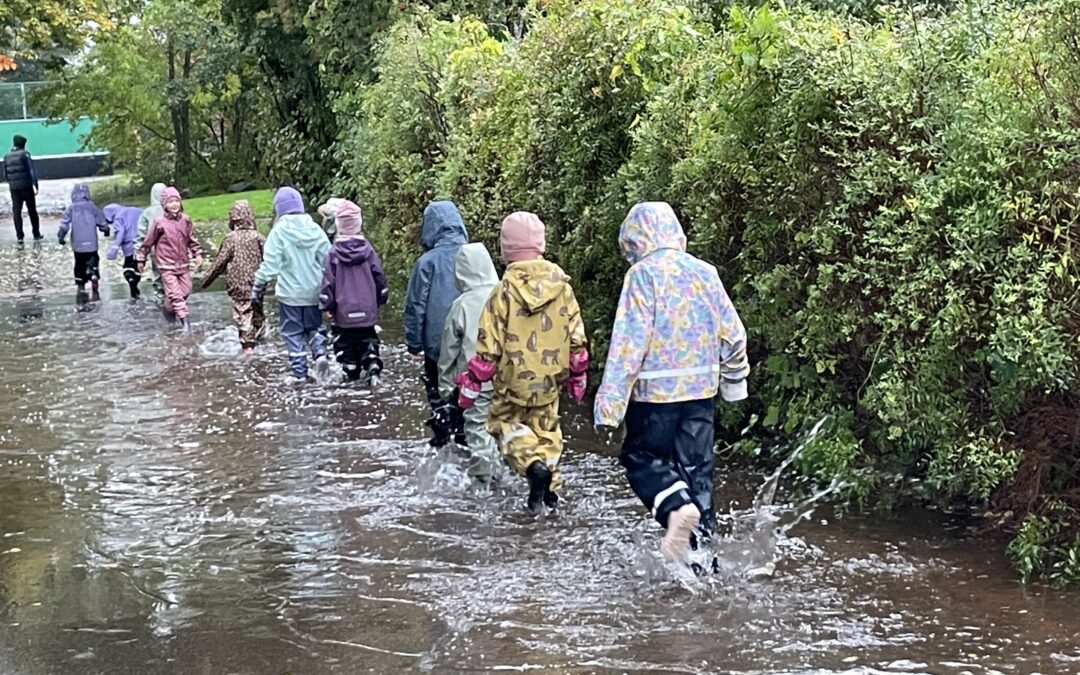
(650, 227)
(473, 268)
(442, 226)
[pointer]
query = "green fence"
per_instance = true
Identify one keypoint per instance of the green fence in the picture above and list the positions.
(20, 114)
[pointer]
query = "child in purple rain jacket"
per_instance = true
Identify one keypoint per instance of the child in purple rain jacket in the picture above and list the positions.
(83, 219)
(125, 224)
(353, 289)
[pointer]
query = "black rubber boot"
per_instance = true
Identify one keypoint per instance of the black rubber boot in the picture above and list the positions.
(539, 485)
(551, 500)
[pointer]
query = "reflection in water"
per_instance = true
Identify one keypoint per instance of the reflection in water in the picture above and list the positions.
(166, 506)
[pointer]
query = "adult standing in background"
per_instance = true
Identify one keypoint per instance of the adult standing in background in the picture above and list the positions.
(23, 183)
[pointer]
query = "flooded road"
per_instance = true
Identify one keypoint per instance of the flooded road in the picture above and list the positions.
(164, 509)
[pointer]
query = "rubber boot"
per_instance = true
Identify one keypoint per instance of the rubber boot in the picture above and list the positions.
(680, 527)
(539, 477)
(185, 325)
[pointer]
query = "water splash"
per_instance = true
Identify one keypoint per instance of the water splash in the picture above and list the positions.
(750, 545)
(222, 343)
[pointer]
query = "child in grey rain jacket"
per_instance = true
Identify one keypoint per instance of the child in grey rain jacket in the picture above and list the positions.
(475, 276)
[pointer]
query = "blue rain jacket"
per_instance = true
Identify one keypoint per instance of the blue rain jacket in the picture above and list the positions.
(431, 286)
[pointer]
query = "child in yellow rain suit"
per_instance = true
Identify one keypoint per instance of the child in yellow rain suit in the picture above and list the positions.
(531, 343)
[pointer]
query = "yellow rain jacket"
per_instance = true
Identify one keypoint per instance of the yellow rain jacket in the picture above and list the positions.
(530, 326)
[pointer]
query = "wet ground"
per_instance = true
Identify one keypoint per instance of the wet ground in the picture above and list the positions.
(166, 507)
(52, 198)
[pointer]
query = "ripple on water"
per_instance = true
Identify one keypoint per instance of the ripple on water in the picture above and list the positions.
(166, 506)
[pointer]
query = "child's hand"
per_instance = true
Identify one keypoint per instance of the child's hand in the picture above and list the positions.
(198, 261)
(329, 316)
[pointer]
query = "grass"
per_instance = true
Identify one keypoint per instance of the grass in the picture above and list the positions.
(216, 207)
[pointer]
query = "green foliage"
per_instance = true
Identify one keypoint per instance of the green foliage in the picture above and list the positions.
(170, 94)
(892, 204)
(216, 207)
(1040, 550)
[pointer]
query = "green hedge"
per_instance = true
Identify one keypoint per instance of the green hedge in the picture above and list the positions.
(891, 202)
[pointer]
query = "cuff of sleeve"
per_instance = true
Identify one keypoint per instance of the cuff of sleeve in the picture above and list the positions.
(733, 391)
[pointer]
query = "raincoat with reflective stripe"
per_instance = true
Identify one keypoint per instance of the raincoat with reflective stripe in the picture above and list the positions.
(677, 336)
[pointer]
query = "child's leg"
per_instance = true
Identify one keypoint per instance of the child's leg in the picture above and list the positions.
(648, 455)
(177, 289)
(544, 422)
(694, 456)
(292, 329)
(313, 330)
(430, 378)
(80, 272)
(368, 351)
(526, 435)
(131, 275)
(345, 351)
(93, 266)
(483, 451)
(243, 318)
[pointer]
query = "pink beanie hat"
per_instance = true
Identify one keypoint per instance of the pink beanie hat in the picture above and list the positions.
(349, 220)
(522, 237)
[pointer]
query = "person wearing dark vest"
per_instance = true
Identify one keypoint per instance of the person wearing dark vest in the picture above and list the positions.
(22, 180)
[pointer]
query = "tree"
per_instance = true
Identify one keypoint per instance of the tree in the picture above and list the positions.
(170, 93)
(31, 27)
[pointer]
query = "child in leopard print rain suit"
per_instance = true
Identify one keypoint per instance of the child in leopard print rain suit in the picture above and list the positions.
(677, 340)
(240, 256)
(531, 342)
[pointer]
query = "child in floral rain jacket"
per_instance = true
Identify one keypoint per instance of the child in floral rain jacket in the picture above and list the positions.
(677, 340)
(239, 258)
(530, 344)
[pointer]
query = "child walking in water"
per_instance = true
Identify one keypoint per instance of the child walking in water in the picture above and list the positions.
(353, 289)
(431, 290)
(171, 237)
(239, 258)
(149, 215)
(125, 224)
(530, 343)
(294, 254)
(677, 339)
(475, 277)
(83, 219)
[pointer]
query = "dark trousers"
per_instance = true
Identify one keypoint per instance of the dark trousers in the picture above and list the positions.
(668, 457)
(302, 327)
(131, 275)
(446, 419)
(86, 267)
(19, 197)
(357, 350)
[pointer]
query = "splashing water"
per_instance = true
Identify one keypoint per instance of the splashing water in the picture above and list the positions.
(166, 510)
(750, 543)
